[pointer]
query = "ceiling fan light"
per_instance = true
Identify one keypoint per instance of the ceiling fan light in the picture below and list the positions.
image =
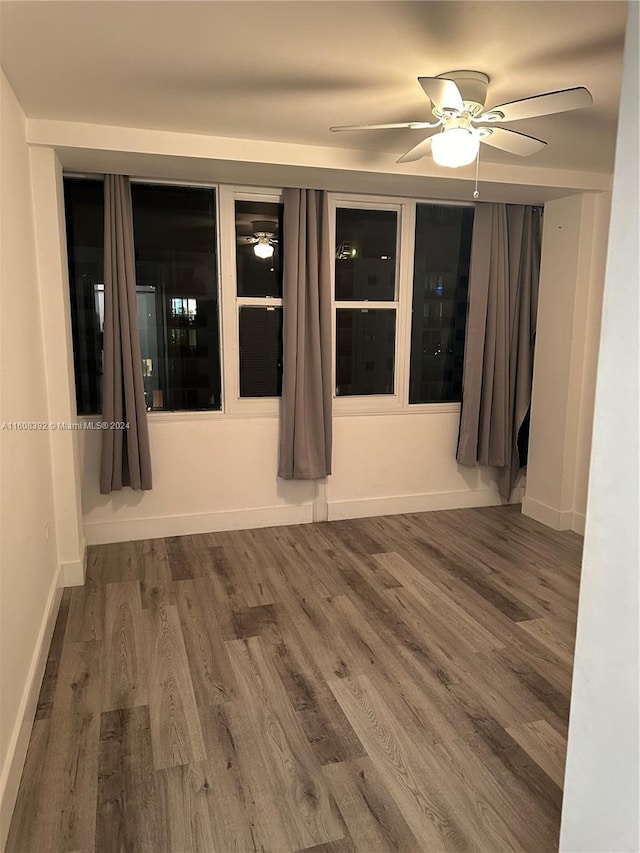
(455, 147)
(263, 248)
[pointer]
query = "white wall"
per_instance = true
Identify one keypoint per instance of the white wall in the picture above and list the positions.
(402, 463)
(601, 809)
(219, 473)
(28, 559)
(209, 473)
(574, 248)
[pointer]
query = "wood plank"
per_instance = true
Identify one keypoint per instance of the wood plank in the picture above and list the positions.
(23, 832)
(86, 612)
(544, 745)
(211, 674)
(373, 818)
(209, 805)
(522, 822)
(553, 637)
(183, 560)
(128, 814)
(66, 818)
(438, 606)
(248, 562)
(345, 845)
(394, 755)
(156, 584)
(124, 660)
(309, 811)
(176, 734)
(227, 598)
(50, 678)
(325, 726)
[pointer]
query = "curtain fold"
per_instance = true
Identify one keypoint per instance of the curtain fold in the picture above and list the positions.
(126, 457)
(501, 322)
(305, 420)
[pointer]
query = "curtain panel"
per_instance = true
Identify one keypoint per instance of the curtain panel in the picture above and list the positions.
(501, 323)
(305, 420)
(126, 457)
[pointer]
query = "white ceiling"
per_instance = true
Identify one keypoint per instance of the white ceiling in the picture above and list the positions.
(286, 71)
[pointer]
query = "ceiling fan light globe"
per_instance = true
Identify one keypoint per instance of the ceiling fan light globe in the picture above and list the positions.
(263, 248)
(455, 147)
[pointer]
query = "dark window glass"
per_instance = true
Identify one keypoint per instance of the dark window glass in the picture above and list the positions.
(177, 293)
(440, 284)
(177, 282)
(260, 351)
(365, 346)
(84, 210)
(258, 230)
(366, 255)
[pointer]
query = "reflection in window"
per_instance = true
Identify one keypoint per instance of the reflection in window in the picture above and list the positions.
(259, 277)
(365, 255)
(258, 250)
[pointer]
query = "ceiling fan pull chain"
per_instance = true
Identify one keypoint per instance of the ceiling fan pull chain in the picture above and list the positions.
(476, 194)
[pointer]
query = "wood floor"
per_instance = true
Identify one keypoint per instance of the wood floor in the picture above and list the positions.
(386, 684)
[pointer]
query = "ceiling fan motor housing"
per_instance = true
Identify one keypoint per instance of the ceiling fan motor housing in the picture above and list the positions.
(473, 88)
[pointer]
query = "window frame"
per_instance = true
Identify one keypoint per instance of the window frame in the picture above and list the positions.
(398, 402)
(233, 403)
(372, 403)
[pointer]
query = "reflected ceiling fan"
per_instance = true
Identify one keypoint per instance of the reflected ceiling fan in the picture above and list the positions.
(457, 100)
(263, 239)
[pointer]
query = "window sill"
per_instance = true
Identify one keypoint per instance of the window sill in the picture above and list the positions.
(416, 409)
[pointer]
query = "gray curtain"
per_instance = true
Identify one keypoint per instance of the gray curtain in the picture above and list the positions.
(126, 458)
(305, 421)
(501, 323)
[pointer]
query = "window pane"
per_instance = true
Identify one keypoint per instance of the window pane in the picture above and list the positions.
(440, 283)
(177, 283)
(84, 209)
(260, 351)
(365, 347)
(366, 254)
(258, 231)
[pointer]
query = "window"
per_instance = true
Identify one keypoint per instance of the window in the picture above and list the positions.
(401, 272)
(84, 208)
(366, 301)
(177, 293)
(259, 297)
(440, 282)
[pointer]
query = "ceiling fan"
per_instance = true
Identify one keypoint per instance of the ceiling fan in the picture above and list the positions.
(458, 99)
(263, 239)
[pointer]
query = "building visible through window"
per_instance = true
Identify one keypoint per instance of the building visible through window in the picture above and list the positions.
(440, 283)
(177, 293)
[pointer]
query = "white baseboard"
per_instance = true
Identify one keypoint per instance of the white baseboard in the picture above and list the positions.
(19, 741)
(578, 522)
(397, 504)
(128, 530)
(74, 573)
(558, 519)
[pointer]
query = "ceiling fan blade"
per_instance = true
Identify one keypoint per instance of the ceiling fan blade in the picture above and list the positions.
(444, 94)
(513, 142)
(542, 105)
(406, 125)
(420, 150)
